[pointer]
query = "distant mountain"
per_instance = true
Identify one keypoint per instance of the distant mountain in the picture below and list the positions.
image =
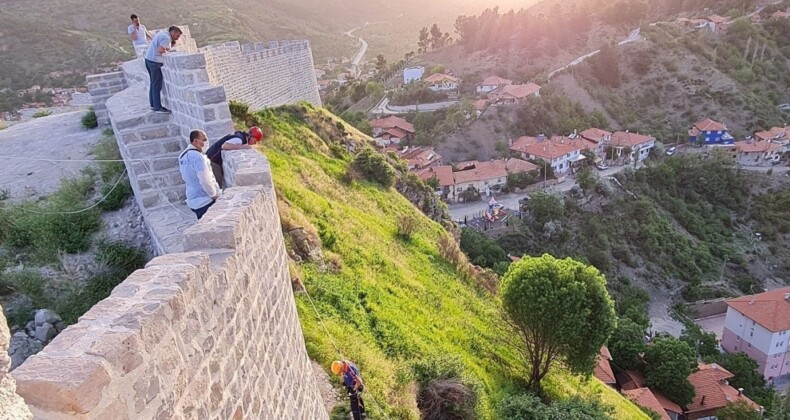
(77, 35)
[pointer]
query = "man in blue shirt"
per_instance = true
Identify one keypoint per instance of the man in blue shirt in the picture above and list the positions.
(154, 60)
(202, 188)
(354, 386)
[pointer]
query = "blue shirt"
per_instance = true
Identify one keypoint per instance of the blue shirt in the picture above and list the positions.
(350, 374)
(196, 171)
(161, 39)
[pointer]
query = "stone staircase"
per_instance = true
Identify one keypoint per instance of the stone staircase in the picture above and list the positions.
(150, 144)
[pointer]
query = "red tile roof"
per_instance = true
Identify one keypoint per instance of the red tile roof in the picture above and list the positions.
(480, 104)
(420, 157)
(603, 370)
(495, 81)
(756, 146)
(514, 165)
(440, 77)
(780, 15)
(443, 173)
(522, 142)
(711, 393)
(548, 149)
(718, 19)
(624, 138)
(395, 132)
(631, 379)
(595, 134)
(774, 133)
(667, 403)
(481, 171)
(516, 91)
(392, 121)
(709, 125)
(643, 397)
(770, 309)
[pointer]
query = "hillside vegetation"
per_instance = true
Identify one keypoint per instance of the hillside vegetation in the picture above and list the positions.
(391, 288)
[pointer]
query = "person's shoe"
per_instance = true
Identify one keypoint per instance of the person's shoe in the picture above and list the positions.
(164, 110)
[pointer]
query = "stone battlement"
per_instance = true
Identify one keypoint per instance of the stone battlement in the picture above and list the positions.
(209, 328)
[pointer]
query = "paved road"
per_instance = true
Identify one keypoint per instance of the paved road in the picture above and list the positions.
(633, 36)
(458, 211)
(776, 170)
(384, 107)
(360, 54)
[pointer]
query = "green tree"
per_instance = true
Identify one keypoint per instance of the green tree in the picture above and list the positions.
(739, 410)
(545, 207)
(481, 250)
(780, 409)
(381, 64)
(423, 40)
(627, 343)
(559, 310)
(374, 89)
(587, 181)
(668, 364)
(704, 342)
(374, 167)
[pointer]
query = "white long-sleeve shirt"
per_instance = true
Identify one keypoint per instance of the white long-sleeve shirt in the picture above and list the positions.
(196, 171)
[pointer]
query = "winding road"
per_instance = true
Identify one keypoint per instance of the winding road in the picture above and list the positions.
(360, 54)
(633, 36)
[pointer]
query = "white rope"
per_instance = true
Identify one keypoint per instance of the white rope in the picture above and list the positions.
(75, 211)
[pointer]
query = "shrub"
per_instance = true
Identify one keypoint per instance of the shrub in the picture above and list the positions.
(89, 119)
(114, 190)
(407, 225)
(373, 167)
(42, 113)
(444, 393)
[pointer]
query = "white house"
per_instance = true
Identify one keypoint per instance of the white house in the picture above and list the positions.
(492, 83)
(640, 145)
(759, 325)
(560, 152)
(439, 82)
(412, 74)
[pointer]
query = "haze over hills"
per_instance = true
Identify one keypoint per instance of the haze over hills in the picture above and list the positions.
(76, 36)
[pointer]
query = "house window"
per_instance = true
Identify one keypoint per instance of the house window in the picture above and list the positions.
(749, 345)
(751, 334)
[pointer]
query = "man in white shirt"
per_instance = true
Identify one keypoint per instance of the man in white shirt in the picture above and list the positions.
(138, 33)
(202, 188)
(154, 60)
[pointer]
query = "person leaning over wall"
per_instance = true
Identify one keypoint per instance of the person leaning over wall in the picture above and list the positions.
(202, 187)
(154, 60)
(236, 141)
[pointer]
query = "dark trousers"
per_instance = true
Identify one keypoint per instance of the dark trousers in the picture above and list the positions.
(201, 211)
(155, 89)
(357, 405)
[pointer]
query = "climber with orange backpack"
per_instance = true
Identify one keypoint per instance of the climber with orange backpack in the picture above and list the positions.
(354, 386)
(236, 141)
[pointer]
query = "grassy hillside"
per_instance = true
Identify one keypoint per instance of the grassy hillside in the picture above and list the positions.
(387, 301)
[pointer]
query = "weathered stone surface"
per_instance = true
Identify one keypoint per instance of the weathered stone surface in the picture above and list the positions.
(11, 405)
(66, 385)
(23, 346)
(43, 316)
(45, 332)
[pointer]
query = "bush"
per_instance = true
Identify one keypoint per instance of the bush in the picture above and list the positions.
(373, 167)
(527, 406)
(42, 113)
(89, 119)
(407, 225)
(114, 191)
(444, 393)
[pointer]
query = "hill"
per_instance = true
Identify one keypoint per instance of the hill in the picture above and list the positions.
(385, 299)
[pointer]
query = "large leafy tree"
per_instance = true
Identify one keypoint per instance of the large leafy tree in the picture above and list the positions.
(627, 344)
(668, 364)
(559, 311)
(739, 410)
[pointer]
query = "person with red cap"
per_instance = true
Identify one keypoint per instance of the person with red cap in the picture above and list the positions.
(236, 141)
(354, 386)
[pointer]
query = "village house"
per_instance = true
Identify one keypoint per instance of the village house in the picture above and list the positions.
(757, 153)
(491, 83)
(482, 177)
(708, 131)
(559, 152)
(603, 368)
(780, 14)
(514, 94)
(759, 325)
(661, 405)
(718, 24)
(480, 107)
(440, 82)
(412, 74)
(778, 135)
(419, 158)
(640, 144)
(597, 136)
(391, 130)
(712, 392)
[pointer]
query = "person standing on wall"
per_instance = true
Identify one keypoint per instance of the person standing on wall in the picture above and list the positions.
(138, 33)
(236, 141)
(354, 386)
(202, 188)
(154, 60)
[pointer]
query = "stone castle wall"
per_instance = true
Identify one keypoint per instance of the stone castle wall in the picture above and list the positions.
(211, 332)
(208, 329)
(12, 406)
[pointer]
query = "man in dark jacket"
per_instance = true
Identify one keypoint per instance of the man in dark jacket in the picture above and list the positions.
(236, 141)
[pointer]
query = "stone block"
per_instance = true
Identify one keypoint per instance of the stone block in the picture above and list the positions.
(156, 132)
(120, 349)
(210, 95)
(190, 62)
(68, 385)
(121, 124)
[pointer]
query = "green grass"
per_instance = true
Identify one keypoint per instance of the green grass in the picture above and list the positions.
(391, 301)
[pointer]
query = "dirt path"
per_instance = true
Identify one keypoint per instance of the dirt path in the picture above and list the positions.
(57, 137)
(568, 84)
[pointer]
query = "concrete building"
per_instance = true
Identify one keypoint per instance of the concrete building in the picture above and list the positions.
(709, 131)
(560, 152)
(483, 177)
(391, 130)
(759, 325)
(418, 158)
(440, 82)
(640, 144)
(712, 392)
(514, 94)
(757, 153)
(412, 74)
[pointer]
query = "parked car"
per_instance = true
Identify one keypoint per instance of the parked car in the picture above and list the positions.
(602, 166)
(671, 151)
